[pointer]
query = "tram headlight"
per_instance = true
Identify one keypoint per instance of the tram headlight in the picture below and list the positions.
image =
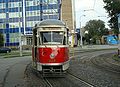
(52, 56)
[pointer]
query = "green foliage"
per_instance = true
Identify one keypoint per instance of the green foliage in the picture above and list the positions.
(116, 58)
(1, 40)
(96, 29)
(113, 8)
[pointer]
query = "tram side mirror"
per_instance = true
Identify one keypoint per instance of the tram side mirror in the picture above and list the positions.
(65, 35)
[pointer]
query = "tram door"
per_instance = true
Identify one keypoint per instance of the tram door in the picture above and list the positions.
(34, 49)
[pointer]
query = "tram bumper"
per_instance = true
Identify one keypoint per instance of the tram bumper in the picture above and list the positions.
(52, 67)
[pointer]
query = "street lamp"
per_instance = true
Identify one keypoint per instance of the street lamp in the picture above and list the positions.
(81, 42)
(89, 10)
(102, 16)
(86, 36)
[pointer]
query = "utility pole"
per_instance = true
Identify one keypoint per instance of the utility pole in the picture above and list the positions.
(24, 18)
(20, 46)
(119, 35)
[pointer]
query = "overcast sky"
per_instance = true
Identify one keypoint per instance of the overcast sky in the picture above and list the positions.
(92, 9)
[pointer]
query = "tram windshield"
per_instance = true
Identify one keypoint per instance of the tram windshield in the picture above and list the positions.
(52, 37)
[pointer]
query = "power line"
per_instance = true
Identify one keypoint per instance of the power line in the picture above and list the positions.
(101, 14)
(94, 4)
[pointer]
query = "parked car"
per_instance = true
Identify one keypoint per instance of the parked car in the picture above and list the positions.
(5, 50)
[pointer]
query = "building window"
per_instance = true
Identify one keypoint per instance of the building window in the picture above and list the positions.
(15, 14)
(50, 11)
(15, 25)
(31, 23)
(14, 37)
(2, 5)
(29, 40)
(50, 1)
(14, 4)
(32, 3)
(53, 1)
(36, 2)
(2, 26)
(32, 13)
(2, 15)
(29, 3)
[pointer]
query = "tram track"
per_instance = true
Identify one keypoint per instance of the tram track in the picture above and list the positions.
(102, 63)
(88, 55)
(71, 78)
(35, 78)
(76, 53)
(66, 81)
(47, 82)
(81, 80)
(87, 59)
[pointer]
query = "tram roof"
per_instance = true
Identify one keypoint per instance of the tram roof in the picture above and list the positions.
(50, 23)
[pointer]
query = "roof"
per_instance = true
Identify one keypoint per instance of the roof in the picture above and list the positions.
(50, 23)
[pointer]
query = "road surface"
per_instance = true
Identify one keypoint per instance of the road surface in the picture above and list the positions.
(12, 71)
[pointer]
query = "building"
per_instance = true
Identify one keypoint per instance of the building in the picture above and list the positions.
(17, 17)
(68, 14)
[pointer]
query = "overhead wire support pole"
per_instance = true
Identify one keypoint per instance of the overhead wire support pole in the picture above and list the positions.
(94, 4)
(40, 4)
(20, 46)
(41, 12)
(119, 44)
(59, 10)
(119, 35)
(47, 4)
(24, 18)
(81, 42)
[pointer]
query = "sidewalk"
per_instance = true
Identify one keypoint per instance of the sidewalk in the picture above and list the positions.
(99, 46)
(95, 47)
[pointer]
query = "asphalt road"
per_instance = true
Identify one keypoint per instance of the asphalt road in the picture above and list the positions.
(12, 71)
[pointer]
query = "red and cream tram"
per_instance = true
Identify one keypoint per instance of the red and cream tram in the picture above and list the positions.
(50, 52)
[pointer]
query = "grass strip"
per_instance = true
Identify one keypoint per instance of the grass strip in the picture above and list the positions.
(15, 54)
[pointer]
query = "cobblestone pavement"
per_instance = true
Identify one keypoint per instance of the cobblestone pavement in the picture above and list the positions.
(81, 66)
(13, 72)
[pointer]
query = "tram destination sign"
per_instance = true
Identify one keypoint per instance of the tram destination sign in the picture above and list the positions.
(52, 29)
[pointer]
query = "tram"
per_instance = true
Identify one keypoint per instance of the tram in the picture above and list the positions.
(50, 51)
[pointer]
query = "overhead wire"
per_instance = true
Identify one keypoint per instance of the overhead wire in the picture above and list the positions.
(94, 4)
(96, 10)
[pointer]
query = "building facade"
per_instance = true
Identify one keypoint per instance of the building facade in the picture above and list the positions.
(68, 14)
(17, 17)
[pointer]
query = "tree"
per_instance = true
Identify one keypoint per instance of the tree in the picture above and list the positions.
(113, 8)
(1, 40)
(96, 29)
